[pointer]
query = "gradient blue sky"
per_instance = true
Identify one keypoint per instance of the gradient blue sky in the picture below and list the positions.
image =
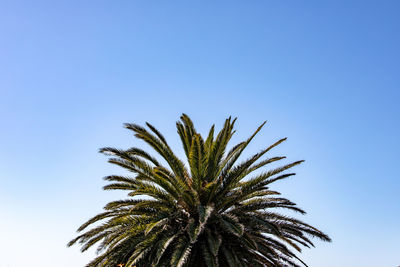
(323, 73)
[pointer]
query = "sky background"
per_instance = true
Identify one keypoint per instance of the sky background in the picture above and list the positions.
(325, 74)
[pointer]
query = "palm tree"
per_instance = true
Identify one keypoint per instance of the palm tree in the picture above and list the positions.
(209, 212)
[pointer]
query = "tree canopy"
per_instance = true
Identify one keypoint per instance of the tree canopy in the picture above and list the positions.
(214, 209)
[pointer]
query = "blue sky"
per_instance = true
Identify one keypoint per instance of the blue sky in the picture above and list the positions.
(323, 73)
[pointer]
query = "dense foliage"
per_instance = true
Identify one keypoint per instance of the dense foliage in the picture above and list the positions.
(213, 211)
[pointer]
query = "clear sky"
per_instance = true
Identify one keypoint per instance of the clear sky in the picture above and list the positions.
(325, 74)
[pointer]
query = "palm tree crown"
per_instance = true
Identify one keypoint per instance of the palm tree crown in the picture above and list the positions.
(213, 211)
